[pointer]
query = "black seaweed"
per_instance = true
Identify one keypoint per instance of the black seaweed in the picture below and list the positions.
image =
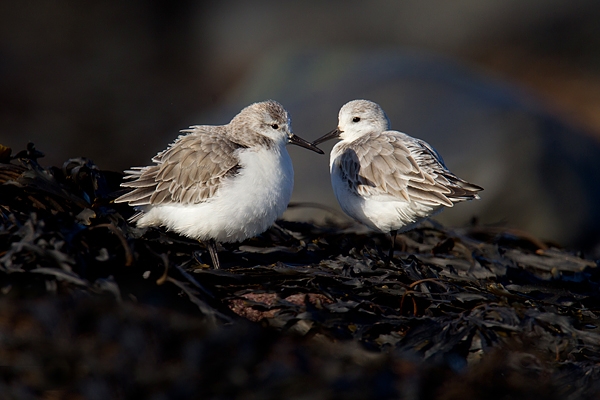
(93, 307)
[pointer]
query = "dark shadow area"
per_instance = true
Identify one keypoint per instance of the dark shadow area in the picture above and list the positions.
(91, 307)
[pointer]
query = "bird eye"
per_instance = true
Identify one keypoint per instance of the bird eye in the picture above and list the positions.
(275, 126)
(355, 119)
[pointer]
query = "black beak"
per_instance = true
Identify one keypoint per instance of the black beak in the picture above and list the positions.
(334, 134)
(298, 141)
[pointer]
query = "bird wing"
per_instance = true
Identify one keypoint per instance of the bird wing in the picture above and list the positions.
(189, 171)
(397, 165)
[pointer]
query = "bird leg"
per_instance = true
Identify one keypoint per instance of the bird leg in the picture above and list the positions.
(392, 245)
(212, 249)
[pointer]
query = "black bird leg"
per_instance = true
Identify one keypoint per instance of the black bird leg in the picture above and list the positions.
(212, 249)
(393, 244)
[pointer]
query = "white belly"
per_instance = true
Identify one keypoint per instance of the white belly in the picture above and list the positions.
(245, 206)
(382, 213)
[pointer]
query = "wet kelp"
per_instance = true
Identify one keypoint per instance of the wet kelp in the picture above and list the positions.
(93, 306)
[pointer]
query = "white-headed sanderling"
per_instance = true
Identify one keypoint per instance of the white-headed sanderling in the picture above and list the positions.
(385, 179)
(219, 183)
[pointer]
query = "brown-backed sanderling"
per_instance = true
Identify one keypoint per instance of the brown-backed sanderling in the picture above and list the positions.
(219, 183)
(385, 179)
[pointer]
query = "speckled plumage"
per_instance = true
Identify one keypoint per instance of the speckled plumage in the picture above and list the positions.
(385, 179)
(223, 183)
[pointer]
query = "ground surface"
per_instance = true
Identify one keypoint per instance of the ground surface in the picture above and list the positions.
(91, 307)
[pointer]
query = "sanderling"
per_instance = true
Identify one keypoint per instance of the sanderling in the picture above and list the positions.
(219, 183)
(385, 179)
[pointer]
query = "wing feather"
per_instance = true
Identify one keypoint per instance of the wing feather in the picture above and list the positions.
(189, 171)
(397, 165)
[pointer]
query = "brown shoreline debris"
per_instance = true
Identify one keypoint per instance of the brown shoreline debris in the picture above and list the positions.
(92, 302)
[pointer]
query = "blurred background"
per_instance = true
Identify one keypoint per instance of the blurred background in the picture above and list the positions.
(507, 91)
